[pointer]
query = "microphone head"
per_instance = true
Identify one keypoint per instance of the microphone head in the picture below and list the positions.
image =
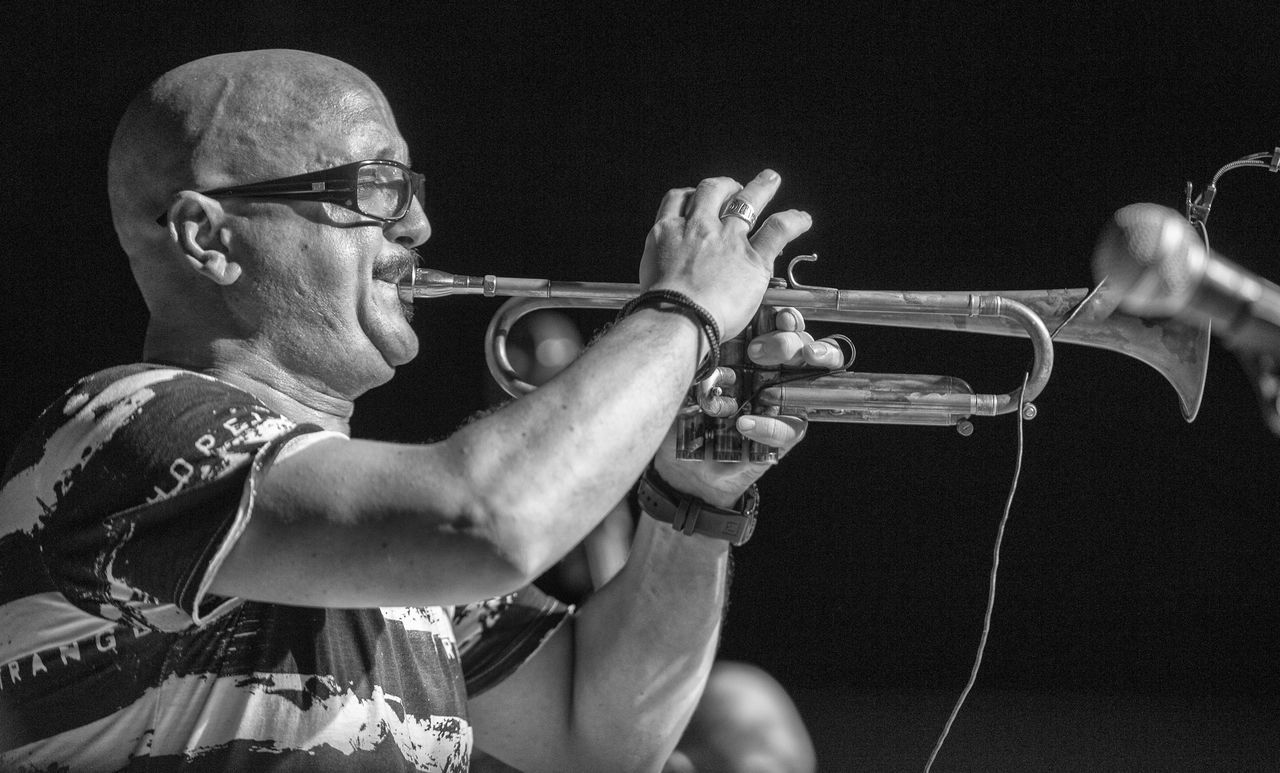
(1149, 254)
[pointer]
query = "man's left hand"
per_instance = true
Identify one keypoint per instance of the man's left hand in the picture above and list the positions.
(722, 483)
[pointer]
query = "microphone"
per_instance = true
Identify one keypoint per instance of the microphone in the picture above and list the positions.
(1153, 257)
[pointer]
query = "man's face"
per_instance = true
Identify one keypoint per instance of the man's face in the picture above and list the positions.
(319, 290)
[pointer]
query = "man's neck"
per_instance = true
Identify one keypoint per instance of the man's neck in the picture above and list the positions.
(288, 396)
(300, 399)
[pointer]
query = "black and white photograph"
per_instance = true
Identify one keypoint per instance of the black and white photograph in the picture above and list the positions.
(681, 387)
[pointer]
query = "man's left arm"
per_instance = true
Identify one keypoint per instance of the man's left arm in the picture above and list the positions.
(615, 688)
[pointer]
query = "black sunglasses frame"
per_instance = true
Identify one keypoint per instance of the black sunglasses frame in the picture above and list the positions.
(336, 185)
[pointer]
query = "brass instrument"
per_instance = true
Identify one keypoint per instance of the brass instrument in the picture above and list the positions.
(1179, 351)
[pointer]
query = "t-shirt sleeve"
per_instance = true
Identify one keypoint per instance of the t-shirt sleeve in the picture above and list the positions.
(151, 474)
(497, 636)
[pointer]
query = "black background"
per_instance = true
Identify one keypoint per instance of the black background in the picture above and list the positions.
(937, 148)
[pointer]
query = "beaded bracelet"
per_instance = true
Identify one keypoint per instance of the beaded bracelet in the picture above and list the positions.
(671, 300)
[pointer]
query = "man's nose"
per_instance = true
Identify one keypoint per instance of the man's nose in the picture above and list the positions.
(412, 229)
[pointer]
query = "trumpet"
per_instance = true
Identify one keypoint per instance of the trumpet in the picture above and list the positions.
(1177, 350)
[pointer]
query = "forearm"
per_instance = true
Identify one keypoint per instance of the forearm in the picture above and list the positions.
(645, 643)
(551, 464)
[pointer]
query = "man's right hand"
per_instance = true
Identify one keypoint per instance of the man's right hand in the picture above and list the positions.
(692, 250)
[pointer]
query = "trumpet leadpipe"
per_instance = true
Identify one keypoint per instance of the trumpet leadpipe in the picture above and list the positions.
(818, 303)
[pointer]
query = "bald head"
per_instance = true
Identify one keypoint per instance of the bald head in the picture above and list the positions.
(235, 117)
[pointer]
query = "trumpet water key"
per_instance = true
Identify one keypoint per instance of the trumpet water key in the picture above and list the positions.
(1179, 351)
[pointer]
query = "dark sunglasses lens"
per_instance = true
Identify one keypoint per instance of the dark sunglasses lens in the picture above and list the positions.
(383, 190)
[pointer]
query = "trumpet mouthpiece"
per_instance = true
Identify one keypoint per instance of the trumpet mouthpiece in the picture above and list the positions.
(433, 283)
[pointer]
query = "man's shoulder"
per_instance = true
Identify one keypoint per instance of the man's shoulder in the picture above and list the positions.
(126, 379)
(149, 398)
(136, 384)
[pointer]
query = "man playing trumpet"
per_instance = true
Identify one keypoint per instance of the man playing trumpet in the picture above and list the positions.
(199, 568)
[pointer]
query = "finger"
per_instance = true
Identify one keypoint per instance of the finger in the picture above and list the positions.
(673, 203)
(778, 348)
(781, 432)
(823, 353)
(757, 195)
(710, 196)
(778, 230)
(719, 406)
(789, 319)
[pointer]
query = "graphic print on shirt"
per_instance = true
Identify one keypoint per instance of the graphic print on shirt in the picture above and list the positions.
(114, 513)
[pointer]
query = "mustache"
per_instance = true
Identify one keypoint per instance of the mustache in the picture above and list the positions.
(396, 265)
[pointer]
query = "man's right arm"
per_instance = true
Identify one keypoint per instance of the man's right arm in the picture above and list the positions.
(362, 523)
(347, 523)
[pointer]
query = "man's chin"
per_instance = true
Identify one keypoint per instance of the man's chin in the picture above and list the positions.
(400, 351)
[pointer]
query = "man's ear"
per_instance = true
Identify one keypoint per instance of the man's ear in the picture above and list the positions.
(196, 226)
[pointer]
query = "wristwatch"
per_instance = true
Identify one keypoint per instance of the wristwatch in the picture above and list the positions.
(691, 515)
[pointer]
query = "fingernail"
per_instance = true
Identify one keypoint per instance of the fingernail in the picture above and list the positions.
(769, 175)
(746, 424)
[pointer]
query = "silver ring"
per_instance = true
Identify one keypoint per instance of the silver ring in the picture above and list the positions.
(741, 209)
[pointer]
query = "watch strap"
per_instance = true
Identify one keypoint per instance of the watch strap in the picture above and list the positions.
(690, 515)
